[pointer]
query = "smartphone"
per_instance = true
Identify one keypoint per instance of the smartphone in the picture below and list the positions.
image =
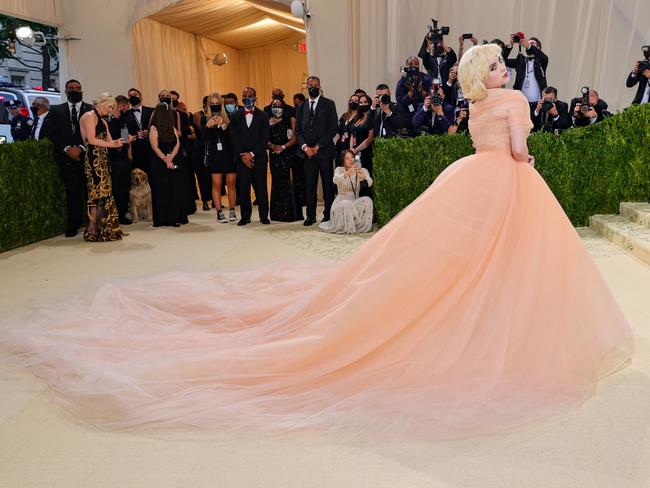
(357, 161)
(124, 134)
(468, 36)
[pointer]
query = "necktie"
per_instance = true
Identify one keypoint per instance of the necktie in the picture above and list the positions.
(311, 110)
(73, 115)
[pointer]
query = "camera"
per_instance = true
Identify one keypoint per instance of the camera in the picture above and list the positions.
(435, 35)
(584, 100)
(548, 104)
(385, 99)
(410, 74)
(518, 36)
(436, 99)
(645, 63)
(463, 104)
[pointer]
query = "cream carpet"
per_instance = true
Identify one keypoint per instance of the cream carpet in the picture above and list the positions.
(605, 444)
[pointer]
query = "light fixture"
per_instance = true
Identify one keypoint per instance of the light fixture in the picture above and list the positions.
(298, 9)
(219, 59)
(26, 35)
(29, 37)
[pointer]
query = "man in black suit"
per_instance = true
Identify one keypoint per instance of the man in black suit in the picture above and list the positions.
(249, 131)
(589, 112)
(530, 68)
(389, 116)
(316, 125)
(551, 114)
(69, 150)
(278, 94)
(137, 122)
(437, 59)
(642, 78)
(40, 111)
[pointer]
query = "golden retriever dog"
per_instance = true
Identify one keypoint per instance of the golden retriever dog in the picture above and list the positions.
(140, 194)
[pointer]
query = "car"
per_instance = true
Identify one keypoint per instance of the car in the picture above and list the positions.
(26, 96)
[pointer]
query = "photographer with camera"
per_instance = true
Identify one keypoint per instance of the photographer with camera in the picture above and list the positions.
(434, 116)
(588, 108)
(436, 56)
(530, 67)
(551, 114)
(461, 114)
(412, 87)
(389, 116)
(453, 91)
(641, 74)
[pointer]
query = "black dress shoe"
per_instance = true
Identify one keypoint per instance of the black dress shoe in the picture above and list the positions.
(70, 233)
(125, 221)
(244, 222)
(265, 221)
(309, 222)
(206, 206)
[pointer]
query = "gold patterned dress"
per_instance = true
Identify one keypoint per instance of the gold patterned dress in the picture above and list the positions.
(103, 223)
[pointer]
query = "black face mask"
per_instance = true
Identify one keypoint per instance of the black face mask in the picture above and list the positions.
(314, 91)
(133, 100)
(174, 103)
(75, 96)
(364, 108)
(34, 110)
(215, 109)
(166, 100)
(353, 105)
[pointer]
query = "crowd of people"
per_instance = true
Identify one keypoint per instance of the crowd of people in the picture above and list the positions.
(226, 148)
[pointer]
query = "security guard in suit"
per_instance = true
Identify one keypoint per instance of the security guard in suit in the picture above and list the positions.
(21, 126)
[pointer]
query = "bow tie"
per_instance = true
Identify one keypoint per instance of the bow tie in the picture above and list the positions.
(136, 109)
(249, 111)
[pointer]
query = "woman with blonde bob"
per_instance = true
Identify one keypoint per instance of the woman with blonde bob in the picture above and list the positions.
(103, 222)
(476, 310)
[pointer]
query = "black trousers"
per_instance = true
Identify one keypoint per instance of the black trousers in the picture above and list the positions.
(255, 176)
(121, 183)
(72, 175)
(314, 166)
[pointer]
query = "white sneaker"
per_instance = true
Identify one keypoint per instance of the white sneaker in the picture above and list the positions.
(221, 218)
(232, 216)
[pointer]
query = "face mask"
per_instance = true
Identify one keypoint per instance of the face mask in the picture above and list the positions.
(314, 91)
(277, 112)
(75, 96)
(249, 102)
(174, 103)
(34, 110)
(353, 105)
(230, 107)
(133, 100)
(364, 108)
(167, 100)
(215, 109)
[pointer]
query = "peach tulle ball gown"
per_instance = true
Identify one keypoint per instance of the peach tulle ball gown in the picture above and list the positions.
(476, 309)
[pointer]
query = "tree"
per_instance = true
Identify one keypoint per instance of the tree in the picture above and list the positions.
(48, 52)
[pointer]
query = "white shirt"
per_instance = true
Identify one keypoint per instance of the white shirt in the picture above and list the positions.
(39, 124)
(531, 88)
(138, 115)
(646, 95)
(249, 119)
(78, 107)
(315, 102)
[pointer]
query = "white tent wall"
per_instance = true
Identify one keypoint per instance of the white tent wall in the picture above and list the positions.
(360, 43)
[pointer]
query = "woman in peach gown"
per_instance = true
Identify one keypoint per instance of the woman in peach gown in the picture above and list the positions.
(476, 309)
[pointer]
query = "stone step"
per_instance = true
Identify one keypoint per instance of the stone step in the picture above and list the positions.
(638, 212)
(631, 236)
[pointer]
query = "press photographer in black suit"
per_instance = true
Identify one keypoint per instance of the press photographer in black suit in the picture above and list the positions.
(316, 126)
(137, 122)
(588, 108)
(434, 116)
(530, 67)
(69, 150)
(551, 114)
(436, 56)
(412, 87)
(389, 116)
(641, 74)
(249, 132)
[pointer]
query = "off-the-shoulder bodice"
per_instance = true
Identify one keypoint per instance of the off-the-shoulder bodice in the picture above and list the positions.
(491, 119)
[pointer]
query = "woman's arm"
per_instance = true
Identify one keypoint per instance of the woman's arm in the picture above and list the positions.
(339, 175)
(87, 125)
(153, 140)
(366, 142)
(293, 140)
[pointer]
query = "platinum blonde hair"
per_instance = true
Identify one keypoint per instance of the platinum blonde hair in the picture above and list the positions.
(105, 99)
(473, 70)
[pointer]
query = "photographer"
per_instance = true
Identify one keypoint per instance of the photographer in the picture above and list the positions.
(588, 108)
(389, 116)
(453, 91)
(413, 87)
(436, 56)
(461, 114)
(530, 68)
(551, 114)
(641, 74)
(434, 116)
(461, 44)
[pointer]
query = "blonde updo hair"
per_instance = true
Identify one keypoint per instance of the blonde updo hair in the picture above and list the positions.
(105, 99)
(473, 70)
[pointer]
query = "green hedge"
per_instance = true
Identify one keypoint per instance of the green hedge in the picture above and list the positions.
(590, 170)
(32, 198)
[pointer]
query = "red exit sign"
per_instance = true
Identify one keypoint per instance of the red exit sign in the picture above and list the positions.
(302, 47)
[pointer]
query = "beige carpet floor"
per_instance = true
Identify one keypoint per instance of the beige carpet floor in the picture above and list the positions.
(604, 444)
